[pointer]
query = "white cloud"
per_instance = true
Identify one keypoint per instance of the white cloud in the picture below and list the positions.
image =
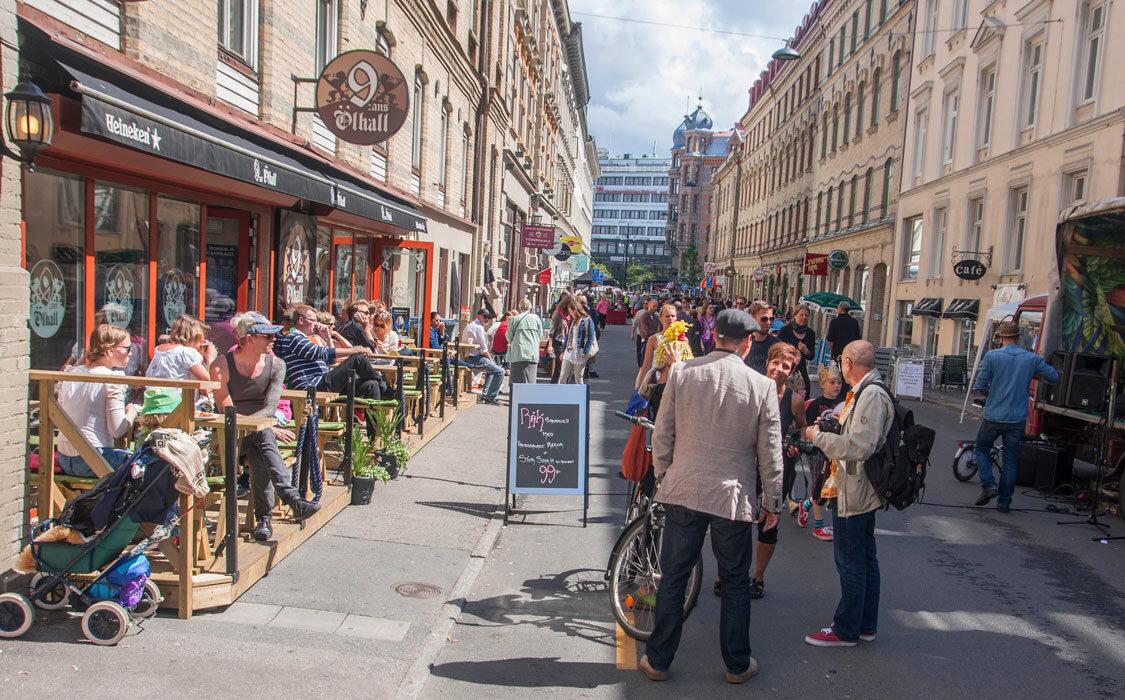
(642, 76)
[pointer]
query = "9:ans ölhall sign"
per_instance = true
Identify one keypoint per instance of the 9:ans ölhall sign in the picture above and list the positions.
(362, 97)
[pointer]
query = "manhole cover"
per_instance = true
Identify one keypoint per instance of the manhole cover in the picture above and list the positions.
(417, 590)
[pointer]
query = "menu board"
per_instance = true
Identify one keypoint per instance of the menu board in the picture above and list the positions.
(909, 378)
(548, 439)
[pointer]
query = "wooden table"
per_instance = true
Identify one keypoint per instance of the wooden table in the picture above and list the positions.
(298, 397)
(243, 426)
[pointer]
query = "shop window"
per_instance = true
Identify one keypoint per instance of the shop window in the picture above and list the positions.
(177, 255)
(121, 243)
(54, 212)
(322, 260)
(343, 272)
(296, 252)
(404, 279)
(360, 267)
(905, 328)
(224, 236)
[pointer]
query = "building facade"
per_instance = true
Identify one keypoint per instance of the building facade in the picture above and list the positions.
(631, 213)
(696, 151)
(191, 173)
(1012, 118)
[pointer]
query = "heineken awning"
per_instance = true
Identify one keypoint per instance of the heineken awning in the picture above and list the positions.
(930, 306)
(966, 309)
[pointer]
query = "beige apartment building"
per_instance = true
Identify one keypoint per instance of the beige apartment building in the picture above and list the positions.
(1013, 115)
(191, 173)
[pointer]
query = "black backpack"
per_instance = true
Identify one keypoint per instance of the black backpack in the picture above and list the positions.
(897, 470)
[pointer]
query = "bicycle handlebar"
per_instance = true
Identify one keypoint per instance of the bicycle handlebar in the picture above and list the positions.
(636, 420)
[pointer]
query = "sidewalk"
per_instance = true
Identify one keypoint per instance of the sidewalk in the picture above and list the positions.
(329, 616)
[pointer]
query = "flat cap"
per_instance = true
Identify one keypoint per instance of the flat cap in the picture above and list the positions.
(735, 323)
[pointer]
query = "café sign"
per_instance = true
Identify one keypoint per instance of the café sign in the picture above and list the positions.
(362, 97)
(969, 269)
(838, 259)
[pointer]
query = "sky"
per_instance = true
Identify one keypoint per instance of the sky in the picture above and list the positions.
(642, 76)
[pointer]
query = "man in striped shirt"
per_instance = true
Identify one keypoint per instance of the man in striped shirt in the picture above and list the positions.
(307, 364)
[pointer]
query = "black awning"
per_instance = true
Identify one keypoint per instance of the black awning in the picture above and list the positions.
(967, 309)
(930, 306)
(360, 200)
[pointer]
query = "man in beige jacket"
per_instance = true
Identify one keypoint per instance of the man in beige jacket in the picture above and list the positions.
(866, 422)
(718, 429)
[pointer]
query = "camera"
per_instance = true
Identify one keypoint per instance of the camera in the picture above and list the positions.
(794, 439)
(829, 424)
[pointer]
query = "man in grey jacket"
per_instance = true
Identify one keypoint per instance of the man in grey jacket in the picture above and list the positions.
(866, 423)
(717, 430)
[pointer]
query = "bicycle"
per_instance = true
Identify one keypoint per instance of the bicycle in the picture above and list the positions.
(965, 460)
(634, 562)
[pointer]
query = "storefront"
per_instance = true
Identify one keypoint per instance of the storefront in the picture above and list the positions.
(152, 203)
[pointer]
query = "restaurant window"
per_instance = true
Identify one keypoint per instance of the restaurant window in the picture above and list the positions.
(904, 330)
(360, 268)
(931, 335)
(224, 236)
(238, 29)
(404, 279)
(121, 242)
(911, 248)
(54, 212)
(177, 256)
(322, 260)
(963, 341)
(343, 270)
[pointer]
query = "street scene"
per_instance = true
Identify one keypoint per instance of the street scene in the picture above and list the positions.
(494, 348)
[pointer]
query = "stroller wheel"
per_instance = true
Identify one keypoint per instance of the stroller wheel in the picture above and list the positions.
(16, 615)
(150, 601)
(105, 623)
(57, 598)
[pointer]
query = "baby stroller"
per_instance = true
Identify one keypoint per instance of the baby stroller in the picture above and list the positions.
(102, 523)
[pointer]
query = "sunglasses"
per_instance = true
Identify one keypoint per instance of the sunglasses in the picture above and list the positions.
(267, 336)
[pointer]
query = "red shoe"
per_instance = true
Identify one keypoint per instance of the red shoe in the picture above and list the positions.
(802, 515)
(827, 638)
(823, 533)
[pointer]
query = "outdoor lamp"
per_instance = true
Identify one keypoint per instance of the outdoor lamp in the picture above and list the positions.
(787, 53)
(31, 125)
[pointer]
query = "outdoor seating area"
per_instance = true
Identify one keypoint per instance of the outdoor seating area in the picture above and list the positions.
(213, 558)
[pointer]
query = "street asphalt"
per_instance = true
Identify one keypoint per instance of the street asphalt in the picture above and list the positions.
(974, 602)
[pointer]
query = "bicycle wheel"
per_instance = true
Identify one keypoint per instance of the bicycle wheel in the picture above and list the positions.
(965, 464)
(634, 577)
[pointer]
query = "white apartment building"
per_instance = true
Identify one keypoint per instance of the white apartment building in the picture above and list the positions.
(631, 213)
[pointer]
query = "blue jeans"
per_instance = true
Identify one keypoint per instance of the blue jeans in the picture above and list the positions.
(1012, 435)
(732, 543)
(494, 375)
(853, 541)
(76, 466)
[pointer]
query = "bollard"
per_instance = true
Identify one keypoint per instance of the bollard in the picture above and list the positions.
(349, 426)
(422, 383)
(401, 399)
(457, 373)
(444, 378)
(230, 460)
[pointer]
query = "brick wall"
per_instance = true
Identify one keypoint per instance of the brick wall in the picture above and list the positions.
(13, 328)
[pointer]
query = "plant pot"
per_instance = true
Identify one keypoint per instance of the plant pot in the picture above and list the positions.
(362, 488)
(388, 462)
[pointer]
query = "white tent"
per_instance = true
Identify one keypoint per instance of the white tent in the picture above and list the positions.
(995, 315)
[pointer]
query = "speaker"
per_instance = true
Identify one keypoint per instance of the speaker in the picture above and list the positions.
(1055, 394)
(1089, 379)
(1029, 461)
(1053, 468)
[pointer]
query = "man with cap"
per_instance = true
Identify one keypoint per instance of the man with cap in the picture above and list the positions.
(1004, 378)
(476, 334)
(707, 482)
(251, 379)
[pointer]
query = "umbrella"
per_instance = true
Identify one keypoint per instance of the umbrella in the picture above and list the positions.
(829, 300)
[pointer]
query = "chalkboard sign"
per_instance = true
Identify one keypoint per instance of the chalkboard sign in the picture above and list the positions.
(548, 441)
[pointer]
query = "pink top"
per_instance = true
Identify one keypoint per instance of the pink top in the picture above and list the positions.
(603, 307)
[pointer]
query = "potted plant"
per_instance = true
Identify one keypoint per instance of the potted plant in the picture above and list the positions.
(392, 454)
(367, 468)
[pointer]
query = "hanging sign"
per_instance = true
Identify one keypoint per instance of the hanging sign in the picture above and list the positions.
(545, 276)
(838, 259)
(816, 264)
(969, 269)
(362, 97)
(759, 274)
(708, 268)
(548, 442)
(538, 236)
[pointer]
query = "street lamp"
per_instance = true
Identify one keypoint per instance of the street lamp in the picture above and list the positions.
(786, 53)
(30, 122)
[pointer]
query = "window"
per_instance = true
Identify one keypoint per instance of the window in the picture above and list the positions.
(1091, 52)
(887, 168)
(976, 224)
(921, 124)
(824, 138)
(882, 11)
(859, 96)
(960, 13)
(851, 202)
(937, 243)
(325, 33)
(177, 251)
(843, 44)
(840, 205)
(949, 109)
(911, 247)
(1032, 74)
(835, 128)
(464, 167)
(985, 106)
(930, 332)
(238, 29)
(875, 97)
(831, 54)
(443, 148)
(868, 182)
(416, 127)
(847, 117)
(896, 78)
(828, 211)
(1075, 187)
(929, 30)
(819, 208)
(1018, 230)
(867, 19)
(855, 29)
(905, 323)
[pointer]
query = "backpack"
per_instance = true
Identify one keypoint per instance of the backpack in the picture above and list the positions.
(897, 470)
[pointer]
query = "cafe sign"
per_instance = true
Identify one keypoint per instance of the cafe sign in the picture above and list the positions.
(969, 269)
(816, 264)
(838, 259)
(538, 236)
(362, 97)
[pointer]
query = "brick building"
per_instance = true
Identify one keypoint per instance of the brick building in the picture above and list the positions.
(190, 172)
